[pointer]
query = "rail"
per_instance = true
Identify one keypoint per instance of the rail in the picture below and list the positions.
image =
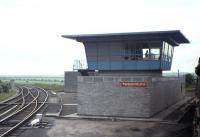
(20, 108)
(13, 101)
(35, 108)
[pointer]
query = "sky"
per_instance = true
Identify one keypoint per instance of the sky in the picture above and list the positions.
(30, 30)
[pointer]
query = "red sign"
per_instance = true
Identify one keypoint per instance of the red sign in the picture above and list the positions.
(133, 84)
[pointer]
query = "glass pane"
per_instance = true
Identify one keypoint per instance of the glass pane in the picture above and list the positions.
(126, 52)
(155, 54)
(166, 48)
(170, 51)
(145, 53)
(138, 53)
(155, 51)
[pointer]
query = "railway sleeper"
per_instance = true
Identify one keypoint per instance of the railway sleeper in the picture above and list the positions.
(17, 133)
(8, 124)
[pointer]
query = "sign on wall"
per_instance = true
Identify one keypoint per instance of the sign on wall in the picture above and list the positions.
(133, 84)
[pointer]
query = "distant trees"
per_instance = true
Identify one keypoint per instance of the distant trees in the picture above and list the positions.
(197, 69)
(189, 79)
(4, 87)
(1, 89)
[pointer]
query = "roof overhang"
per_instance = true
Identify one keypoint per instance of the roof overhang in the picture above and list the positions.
(174, 37)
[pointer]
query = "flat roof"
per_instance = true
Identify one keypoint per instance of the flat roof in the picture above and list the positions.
(174, 37)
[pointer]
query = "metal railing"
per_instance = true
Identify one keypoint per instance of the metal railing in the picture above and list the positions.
(80, 64)
(141, 57)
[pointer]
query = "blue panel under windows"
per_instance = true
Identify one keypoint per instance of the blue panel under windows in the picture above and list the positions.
(116, 65)
(143, 65)
(92, 65)
(128, 65)
(103, 65)
(154, 65)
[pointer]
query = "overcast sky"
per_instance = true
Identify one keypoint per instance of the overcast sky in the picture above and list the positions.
(30, 30)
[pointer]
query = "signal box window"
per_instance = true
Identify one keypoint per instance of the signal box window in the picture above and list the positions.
(155, 54)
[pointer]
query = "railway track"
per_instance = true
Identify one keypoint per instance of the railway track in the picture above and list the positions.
(9, 103)
(18, 110)
(13, 105)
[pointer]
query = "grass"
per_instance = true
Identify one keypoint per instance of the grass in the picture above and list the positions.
(190, 88)
(4, 96)
(35, 79)
(55, 83)
(54, 87)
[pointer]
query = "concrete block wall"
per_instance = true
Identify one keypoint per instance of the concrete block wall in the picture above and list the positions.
(166, 91)
(130, 73)
(103, 95)
(71, 81)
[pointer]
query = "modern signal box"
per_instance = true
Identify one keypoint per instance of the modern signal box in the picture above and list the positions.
(128, 81)
(130, 51)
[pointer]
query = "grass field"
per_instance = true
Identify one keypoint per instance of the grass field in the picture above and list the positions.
(54, 87)
(191, 88)
(35, 79)
(55, 83)
(4, 96)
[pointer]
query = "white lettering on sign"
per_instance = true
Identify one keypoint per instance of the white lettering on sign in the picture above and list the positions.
(133, 84)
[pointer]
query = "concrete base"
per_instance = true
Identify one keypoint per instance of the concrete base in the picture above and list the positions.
(160, 117)
(71, 81)
(105, 96)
